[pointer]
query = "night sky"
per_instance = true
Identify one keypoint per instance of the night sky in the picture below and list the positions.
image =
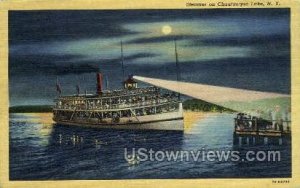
(241, 48)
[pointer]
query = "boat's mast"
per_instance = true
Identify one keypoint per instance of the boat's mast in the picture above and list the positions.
(177, 67)
(122, 61)
(177, 63)
(58, 88)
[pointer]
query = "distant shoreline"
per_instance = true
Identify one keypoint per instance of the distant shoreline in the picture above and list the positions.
(31, 109)
(195, 105)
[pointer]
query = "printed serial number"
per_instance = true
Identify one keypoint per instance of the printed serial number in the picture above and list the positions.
(280, 181)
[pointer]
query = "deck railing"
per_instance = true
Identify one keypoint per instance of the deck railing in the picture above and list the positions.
(117, 106)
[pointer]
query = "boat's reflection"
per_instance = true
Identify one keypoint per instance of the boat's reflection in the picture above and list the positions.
(107, 146)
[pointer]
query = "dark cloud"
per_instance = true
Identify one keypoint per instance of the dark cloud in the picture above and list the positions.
(284, 39)
(129, 58)
(47, 65)
(262, 45)
(64, 64)
(159, 39)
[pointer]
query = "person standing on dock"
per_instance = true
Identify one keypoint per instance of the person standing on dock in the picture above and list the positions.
(273, 118)
(284, 116)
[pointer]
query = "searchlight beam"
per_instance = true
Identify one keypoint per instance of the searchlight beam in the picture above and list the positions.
(241, 100)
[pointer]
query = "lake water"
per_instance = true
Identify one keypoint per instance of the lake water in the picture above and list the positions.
(41, 150)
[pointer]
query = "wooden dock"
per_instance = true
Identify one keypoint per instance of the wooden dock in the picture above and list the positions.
(253, 131)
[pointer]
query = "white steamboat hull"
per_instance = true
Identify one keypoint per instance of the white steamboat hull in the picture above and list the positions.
(172, 125)
(172, 121)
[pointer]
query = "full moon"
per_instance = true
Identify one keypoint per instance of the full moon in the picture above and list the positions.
(166, 29)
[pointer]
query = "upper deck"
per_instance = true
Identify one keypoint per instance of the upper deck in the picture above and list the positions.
(113, 94)
(117, 100)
